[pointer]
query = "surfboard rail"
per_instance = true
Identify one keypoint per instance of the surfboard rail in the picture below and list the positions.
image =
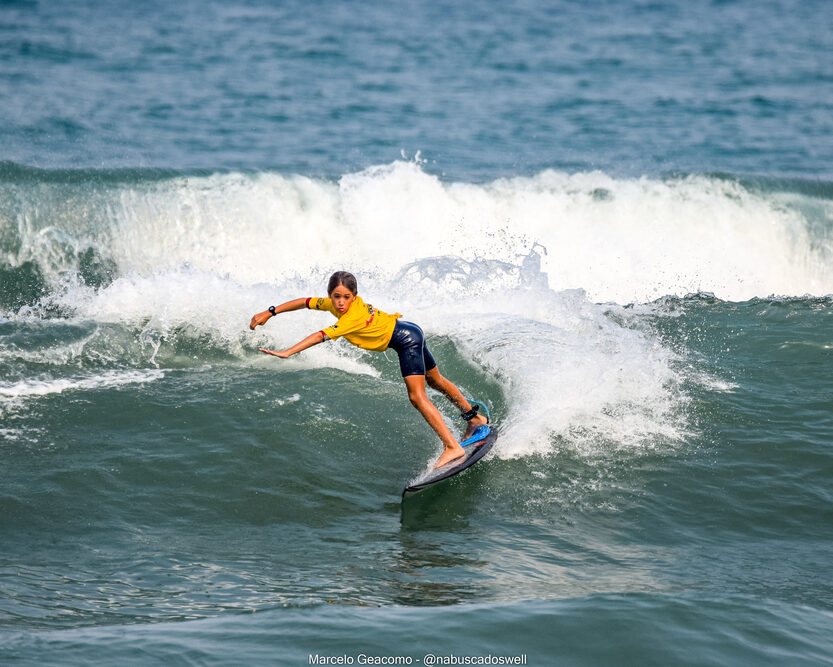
(476, 447)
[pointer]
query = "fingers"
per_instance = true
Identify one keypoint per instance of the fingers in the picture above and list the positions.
(258, 319)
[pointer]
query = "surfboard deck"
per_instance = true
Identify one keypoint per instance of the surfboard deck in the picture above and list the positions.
(476, 447)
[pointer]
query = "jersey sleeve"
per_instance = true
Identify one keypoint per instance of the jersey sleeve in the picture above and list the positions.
(320, 303)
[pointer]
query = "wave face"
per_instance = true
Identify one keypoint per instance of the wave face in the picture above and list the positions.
(516, 272)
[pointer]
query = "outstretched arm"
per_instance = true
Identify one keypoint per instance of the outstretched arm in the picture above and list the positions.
(308, 342)
(262, 318)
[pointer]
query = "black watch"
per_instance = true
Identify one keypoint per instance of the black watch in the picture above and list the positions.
(272, 310)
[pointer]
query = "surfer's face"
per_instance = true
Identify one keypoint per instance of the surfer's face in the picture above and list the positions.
(342, 298)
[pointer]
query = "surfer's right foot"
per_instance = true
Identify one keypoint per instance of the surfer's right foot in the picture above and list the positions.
(450, 455)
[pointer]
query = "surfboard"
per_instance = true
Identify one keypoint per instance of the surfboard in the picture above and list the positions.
(476, 447)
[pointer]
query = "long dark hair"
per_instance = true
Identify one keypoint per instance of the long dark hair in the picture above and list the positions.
(344, 279)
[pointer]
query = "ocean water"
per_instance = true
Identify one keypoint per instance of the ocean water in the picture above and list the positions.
(614, 223)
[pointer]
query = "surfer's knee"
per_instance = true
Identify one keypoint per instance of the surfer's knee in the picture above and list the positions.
(416, 401)
(417, 395)
(416, 388)
(436, 382)
(422, 404)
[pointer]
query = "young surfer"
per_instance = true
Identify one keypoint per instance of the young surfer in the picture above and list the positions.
(371, 329)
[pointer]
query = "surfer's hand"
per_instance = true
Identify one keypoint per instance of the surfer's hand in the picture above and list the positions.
(283, 354)
(260, 318)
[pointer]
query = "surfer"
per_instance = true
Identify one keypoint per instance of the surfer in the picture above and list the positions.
(371, 329)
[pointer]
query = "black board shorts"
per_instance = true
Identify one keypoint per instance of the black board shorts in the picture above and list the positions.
(409, 342)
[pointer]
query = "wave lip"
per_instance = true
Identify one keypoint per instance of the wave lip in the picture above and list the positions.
(620, 240)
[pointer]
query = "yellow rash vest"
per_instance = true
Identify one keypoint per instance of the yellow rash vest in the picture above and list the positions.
(362, 325)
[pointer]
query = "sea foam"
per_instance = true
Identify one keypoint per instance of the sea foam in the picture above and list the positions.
(621, 240)
(521, 273)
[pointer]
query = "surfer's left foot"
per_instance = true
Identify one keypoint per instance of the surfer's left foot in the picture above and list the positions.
(474, 423)
(449, 456)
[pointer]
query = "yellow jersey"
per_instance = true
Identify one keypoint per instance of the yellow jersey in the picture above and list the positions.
(362, 325)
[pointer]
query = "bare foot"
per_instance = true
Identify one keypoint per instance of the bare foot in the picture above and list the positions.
(474, 423)
(450, 455)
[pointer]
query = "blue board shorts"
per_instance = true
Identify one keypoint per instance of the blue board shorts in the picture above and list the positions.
(409, 342)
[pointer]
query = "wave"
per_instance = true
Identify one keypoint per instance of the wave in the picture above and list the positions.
(562, 371)
(620, 240)
(524, 275)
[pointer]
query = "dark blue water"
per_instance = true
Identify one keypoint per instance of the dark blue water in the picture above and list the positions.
(614, 223)
(510, 88)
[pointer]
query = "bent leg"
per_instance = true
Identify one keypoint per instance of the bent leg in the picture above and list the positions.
(419, 399)
(449, 389)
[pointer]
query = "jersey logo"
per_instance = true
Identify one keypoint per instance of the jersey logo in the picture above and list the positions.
(319, 305)
(372, 312)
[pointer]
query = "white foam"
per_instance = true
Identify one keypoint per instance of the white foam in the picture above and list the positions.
(511, 271)
(620, 240)
(15, 394)
(289, 399)
(571, 376)
(210, 310)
